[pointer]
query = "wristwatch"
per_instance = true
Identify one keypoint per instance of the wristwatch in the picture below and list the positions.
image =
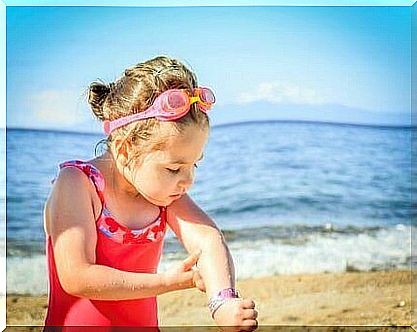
(220, 298)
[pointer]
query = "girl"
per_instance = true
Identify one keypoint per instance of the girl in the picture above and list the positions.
(106, 218)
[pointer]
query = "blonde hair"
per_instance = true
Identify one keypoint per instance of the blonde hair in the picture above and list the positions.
(134, 92)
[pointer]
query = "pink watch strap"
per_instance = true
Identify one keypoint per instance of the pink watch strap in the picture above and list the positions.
(220, 298)
(228, 293)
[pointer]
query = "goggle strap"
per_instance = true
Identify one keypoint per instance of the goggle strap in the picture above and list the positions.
(109, 126)
(131, 118)
(194, 100)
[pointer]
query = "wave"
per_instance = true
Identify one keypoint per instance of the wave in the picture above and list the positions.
(309, 249)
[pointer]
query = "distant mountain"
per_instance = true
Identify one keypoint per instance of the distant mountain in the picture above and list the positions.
(322, 113)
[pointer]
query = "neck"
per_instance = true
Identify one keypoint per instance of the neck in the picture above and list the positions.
(119, 185)
(118, 182)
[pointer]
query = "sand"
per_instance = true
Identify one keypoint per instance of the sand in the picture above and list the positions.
(353, 298)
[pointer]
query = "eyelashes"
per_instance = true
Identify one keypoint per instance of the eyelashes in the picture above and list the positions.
(176, 171)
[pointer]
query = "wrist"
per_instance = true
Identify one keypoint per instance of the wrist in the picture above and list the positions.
(220, 298)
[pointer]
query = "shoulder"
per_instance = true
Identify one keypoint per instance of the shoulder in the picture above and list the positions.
(70, 205)
(72, 187)
(69, 218)
(72, 179)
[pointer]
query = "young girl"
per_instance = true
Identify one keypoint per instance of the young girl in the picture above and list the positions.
(106, 218)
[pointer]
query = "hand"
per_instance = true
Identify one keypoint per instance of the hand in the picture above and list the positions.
(182, 276)
(237, 315)
(198, 281)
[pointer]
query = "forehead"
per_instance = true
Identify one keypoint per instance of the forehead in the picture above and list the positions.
(186, 146)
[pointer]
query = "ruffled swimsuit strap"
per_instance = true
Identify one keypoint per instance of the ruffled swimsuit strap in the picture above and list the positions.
(105, 221)
(93, 174)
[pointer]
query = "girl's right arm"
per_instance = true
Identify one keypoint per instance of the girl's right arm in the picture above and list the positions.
(73, 232)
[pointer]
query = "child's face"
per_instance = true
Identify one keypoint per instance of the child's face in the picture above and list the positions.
(164, 174)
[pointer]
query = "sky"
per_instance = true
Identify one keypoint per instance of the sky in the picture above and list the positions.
(338, 64)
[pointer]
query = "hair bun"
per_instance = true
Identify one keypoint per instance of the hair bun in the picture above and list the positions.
(97, 94)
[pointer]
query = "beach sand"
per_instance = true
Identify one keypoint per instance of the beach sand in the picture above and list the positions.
(352, 298)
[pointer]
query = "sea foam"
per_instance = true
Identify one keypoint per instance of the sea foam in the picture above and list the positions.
(385, 249)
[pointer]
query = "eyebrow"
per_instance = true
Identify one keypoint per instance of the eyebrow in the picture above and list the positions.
(181, 161)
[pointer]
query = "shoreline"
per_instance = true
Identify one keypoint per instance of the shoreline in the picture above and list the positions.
(349, 298)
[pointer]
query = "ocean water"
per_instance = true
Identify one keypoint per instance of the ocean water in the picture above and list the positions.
(290, 197)
(2, 215)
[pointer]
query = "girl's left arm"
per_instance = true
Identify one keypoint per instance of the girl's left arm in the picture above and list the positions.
(196, 230)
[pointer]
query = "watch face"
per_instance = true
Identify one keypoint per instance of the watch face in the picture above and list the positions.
(228, 293)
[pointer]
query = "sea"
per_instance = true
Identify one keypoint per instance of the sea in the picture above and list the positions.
(290, 197)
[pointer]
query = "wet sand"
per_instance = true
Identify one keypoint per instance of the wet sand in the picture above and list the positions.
(353, 298)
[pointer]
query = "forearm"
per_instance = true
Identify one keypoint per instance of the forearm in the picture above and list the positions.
(100, 282)
(216, 264)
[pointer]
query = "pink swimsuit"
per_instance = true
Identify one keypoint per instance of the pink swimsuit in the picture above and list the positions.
(118, 247)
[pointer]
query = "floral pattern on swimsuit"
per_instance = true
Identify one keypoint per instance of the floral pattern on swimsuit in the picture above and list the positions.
(122, 234)
(107, 224)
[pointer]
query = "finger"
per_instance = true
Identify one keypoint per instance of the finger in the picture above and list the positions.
(247, 304)
(191, 260)
(188, 275)
(251, 324)
(197, 275)
(250, 314)
(202, 287)
(186, 279)
(199, 283)
(193, 257)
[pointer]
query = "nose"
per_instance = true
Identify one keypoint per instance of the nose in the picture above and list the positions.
(186, 181)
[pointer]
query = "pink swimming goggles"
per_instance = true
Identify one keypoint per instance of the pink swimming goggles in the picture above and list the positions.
(168, 106)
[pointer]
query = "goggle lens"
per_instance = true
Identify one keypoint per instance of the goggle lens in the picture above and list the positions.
(207, 96)
(177, 102)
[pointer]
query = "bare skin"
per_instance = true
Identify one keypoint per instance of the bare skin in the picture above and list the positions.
(133, 196)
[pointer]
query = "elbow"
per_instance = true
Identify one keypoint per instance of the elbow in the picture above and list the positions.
(72, 287)
(74, 283)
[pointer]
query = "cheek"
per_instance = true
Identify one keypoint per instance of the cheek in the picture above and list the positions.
(167, 181)
(155, 183)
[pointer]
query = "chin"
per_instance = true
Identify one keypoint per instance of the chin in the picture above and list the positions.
(157, 201)
(167, 201)
(173, 199)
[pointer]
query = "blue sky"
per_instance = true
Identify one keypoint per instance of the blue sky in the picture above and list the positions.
(343, 64)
